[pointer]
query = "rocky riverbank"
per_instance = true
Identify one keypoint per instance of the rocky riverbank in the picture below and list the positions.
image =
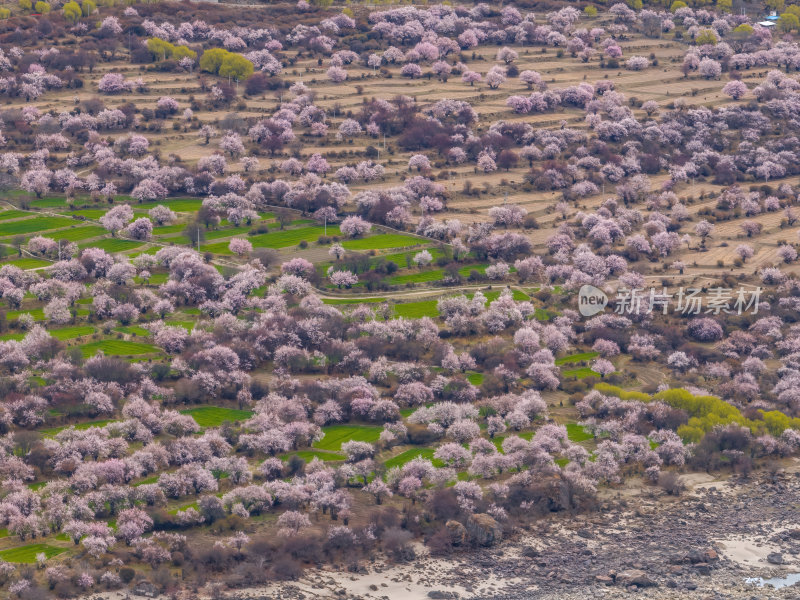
(639, 543)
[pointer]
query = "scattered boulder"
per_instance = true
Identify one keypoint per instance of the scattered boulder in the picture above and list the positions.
(702, 556)
(702, 568)
(635, 577)
(775, 558)
(457, 532)
(484, 530)
(441, 595)
(695, 556)
(530, 552)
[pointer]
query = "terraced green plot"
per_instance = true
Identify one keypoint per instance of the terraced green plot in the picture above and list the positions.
(80, 426)
(309, 455)
(421, 277)
(77, 234)
(118, 348)
(541, 314)
(146, 481)
(69, 333)
(90, 213)
(288, 237)
(409, 455)
(475, 378)
(578, 433)
(27, 554)
(417, 310)
(381, 241)
(155, 279)
(576, 358)
(580, 373)
(492, 295)
(50, 202)
(177, 204)
(34, 225)
(166, 229)
(217, 234)
(36, 313)
(336, 435)
(336, 301)
(28, 263)
(112, 245)
(17, 336)
(13, 214)
(467, 270)
(133, 330)
(187, 325)
(214, 416)
(400, 258)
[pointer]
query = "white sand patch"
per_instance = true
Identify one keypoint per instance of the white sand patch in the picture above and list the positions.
(747, 551)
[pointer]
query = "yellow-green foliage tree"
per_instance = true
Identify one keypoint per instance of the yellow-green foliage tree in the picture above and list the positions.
(226, 64)
(25, 4)
(160, 49)
(42, 7)
(590, 11)
(677, 5)
(724, 5)
(72, 11)
(707, 412)
(236, 67)
(183, 52)
(788, 21)
(211, 60)
(706, 37)
(89, 7)
(4, 13)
